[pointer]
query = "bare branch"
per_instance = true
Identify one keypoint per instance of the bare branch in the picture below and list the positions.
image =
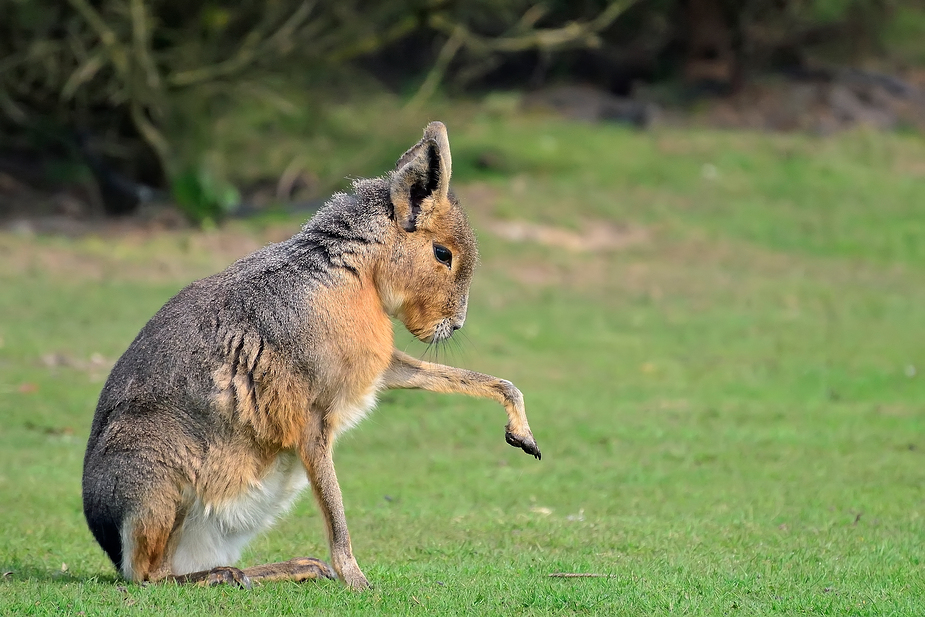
(530, 17)
(244, 57)
(574, 34)
(82, 74)
(282, 38)
(151, 135)
(374, 42)
(254, 45)
(141, 39)
(13, 111)
(435, 76)
(117, 54)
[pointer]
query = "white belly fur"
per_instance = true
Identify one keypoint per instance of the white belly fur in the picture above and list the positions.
(215, 534)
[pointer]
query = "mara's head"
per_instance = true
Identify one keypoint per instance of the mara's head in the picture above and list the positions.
(425, 282)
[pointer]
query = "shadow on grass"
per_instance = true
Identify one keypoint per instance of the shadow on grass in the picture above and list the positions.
(17, 571)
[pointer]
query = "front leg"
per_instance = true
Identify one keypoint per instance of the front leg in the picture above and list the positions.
(407, 372)
(317, 457)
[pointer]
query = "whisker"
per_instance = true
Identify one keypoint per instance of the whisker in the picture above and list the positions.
(458, 347)
(452, 347)
(426, 350)
(466, 340)
(448, 351)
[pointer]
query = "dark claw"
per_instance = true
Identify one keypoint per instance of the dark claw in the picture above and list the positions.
(529, 447)
(224, 575)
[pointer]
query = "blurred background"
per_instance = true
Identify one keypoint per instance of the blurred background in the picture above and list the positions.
(223, 108)
(702, 242)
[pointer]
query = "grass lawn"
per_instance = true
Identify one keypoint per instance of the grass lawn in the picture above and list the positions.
(721, 341)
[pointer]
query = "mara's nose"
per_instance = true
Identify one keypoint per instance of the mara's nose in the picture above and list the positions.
(461, 315)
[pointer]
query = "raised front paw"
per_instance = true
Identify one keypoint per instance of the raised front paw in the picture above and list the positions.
(226, 575)
(525, 443)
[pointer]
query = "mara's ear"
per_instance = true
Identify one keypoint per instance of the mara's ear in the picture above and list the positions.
(421, 180)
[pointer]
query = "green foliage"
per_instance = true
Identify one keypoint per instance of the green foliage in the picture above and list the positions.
(123, 69)
(144, 77)
(729, 408)
(830, 10)
(903, 35)
(203, 198)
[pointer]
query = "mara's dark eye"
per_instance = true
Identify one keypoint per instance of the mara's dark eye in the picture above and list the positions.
(443, 255)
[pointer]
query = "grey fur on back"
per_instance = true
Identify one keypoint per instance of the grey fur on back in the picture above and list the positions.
(267, 293)
(167, 371)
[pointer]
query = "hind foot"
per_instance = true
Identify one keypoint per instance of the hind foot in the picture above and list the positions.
(298, 570)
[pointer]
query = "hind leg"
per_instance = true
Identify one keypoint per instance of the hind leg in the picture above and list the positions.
(146, 544)
(152, 542)
(167, 543)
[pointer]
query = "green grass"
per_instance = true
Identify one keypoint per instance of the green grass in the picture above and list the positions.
(731, 411)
